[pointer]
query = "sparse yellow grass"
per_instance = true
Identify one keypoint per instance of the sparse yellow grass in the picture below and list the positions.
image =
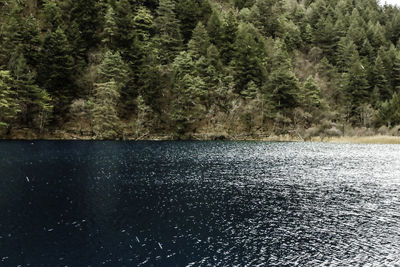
(378, 139)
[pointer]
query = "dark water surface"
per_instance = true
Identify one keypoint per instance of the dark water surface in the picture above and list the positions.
(198, 204)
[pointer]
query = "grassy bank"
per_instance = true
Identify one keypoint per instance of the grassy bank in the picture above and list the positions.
(27, 134)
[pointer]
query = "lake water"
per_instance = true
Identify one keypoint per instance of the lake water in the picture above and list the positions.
(198, 204)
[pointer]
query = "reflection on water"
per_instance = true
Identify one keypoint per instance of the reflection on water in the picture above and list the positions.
(198, 203)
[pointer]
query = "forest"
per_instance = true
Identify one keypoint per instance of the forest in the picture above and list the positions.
(138, 69)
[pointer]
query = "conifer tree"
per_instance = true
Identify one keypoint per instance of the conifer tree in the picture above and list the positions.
(85, 13)
(346, 49)
(143, 24)
(396, 74)
(380, 80)
(104, 113)
(200, 42)
(113, 68)
(9, 107)
(187, 89)
(267, 15)
(187, 13)
(110, 29)
(35, 103)
(214, 29)
(22, 32)
(249, 53)
(150, 82)
(285, 89)
(310, 95)
(125, 30)
(168, 36)
(229, 32)
(53, 15)
(325, 37)
(355, 87)
(57, 66)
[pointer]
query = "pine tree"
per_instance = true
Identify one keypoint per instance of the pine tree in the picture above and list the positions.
(35, 103)
(143, 23)
(346, 49)
(229, 32)
(110, 29)
(57, 66)
(214, 29)
(53, 15)
(9, 107)
(285, 89)
(187, 13)
(168, 32)
(355, 88)
(267, 15)
(187, 89)
(85, 13)
(389, 111)
(200, 42)
(113, 68)
(185, 106)
(325, 37)
(150, 82)
(249, 53)
(396, 74)
(124, 18)
(104, 113)
(19, 32)
(310, 95)
(380, 80)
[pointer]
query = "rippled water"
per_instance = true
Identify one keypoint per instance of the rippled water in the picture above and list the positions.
(198, 204)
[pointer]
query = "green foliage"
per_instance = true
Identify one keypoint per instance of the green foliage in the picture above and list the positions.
(355, 87)
(200, 42)
(168, 38)
(285, 89)
(35, 103)
(104, 112)
(214, 28)
(86, 15)
(9, 107)
(248, 58)
(187, 90)
(57, 66)
(311, 95)
(189, 13)
(150, 82)
(171, 60)
(53, 15)
(389, 111)
(110, 29)
(268, 15)
(113, 68)
(380, 81)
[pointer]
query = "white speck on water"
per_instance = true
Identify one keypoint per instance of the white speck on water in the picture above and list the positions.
(160, 245)
(137, 239)
(27, 179)
(123, 231)
(50, 230)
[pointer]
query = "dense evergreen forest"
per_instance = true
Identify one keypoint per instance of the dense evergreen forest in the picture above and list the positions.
(141, 68)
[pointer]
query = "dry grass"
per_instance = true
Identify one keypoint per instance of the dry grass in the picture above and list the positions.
(377, 139)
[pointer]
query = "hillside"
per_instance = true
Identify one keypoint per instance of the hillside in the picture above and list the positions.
(185, 68)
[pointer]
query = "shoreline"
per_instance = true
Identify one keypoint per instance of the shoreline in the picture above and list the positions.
(59, 135)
